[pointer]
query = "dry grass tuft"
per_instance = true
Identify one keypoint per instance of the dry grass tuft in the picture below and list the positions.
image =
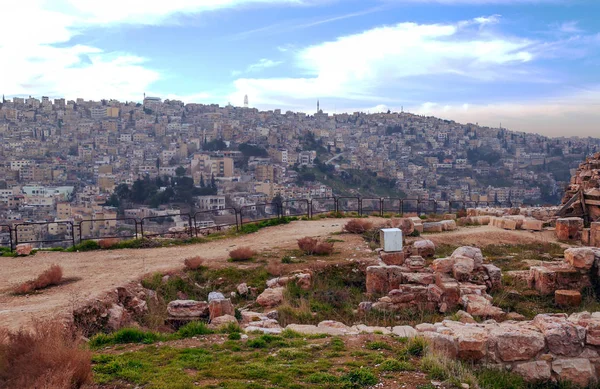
(242, 254)
(52, 276)
(107, 243)
(311, 246)
(358, 226)
(50, 356)
(193, 263)
(308, 245)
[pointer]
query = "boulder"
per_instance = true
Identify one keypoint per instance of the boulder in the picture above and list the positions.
(495, 275)
(533, 225)
(271, 297)
(424, 248)
(215, 296)
(249, 316)
(24, 249)
(117, 317)
(567, 298)
(472, 343)
(433, 227)
(517, 344)
(576, 370)
(243, 289)
(187, 308)
(470, 252)
(536, 371)
(448, 225)
(462, 268)
(221, 321)
(443, 265)
(363, 329)
(580, 258)
(418, 278)
(221, 307)
(404, 331)
(464, 317)
(441, 343)
(406, 225)
(477, 305)
(562, 337)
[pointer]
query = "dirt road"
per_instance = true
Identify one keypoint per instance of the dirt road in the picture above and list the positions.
(94, 273)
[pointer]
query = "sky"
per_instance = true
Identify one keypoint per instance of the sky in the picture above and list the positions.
(527, 65)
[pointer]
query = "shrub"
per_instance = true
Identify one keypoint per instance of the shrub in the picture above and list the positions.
(52, 276)
(107, 243)
(377, 345)
(416, 346)
(308, 245)
(360, 378)
(193, 263)
(311, 246)
(287, 259)
(242, 254)
(358, 226)
(324, 248)
(49, 356)
(194, 328)
(234, 336)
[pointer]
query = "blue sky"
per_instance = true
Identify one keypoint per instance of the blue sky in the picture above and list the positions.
(532, 65)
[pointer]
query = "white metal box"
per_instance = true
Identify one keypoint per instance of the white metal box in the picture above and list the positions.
(391, 239)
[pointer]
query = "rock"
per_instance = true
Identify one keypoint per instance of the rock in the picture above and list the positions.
(433, 227)
(425, 327)
(443, 265)
(271, 297)
(471, 342)
(562, 337)
(273, 315)
(448, 225)
(215, 296)
(425, 248)
(249, 316)
(324, 328)
(406, 225)
(464, 317)
(495, 275)
(537, 371)
(415, 262)
(442, 343)
(365, 306)
(515, 316)
(470, 252)
(117, 317)
(577, 370)
(382, 279)
(221, 321)
(517, 344)
(24, 249)
(372, 330)
(569, 228)
(580, 258)
(532, 225)
(268, 323)
(187, 308)
(243, 289)
(462, 268)
(392, 258)
(417, 278)
(272, 331)
(222, 307)
(567, 298)
(477, 305)
(404, 331)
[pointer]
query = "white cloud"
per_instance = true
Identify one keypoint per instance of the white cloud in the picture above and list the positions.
(570, 27)
(262, 64)
(570, 114)
(356, 66)
(37, 58)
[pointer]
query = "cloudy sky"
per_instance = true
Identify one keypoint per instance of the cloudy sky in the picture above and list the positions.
(532, 65)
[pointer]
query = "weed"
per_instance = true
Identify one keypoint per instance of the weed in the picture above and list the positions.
(242, 254)
(359, 378)
(308, 245)
(234, 336)
(442, 368)
(358, 226)
(416, 346)
(377, 345)
(193, 263)
(50, 277)
(324, 248)
(193, 328)
(287, 259)
(125, 335)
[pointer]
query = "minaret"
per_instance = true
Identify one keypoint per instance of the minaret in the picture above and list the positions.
(246, 101)
(318, 110)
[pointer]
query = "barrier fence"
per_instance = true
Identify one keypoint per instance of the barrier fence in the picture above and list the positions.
(184, 225)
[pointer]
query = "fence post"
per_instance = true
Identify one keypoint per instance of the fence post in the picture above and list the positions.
(72, 233)
(190, 224)
(435, 207)
(16, 235)
(360, 206)
(10, 238)
(142, 227)
(241, 217)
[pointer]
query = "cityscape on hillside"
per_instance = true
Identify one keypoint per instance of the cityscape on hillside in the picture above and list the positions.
(76, 160)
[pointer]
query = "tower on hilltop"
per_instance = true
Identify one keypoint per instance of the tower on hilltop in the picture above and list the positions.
(318, 110)
(246, 101)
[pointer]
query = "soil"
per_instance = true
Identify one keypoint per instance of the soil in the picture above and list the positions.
(92, 274)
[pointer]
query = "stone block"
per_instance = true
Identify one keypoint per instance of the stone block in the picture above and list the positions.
(433, 227)
(187, 308)
(221, 307)
(517, 344)
(395, 258)
(536, 371)
(579, 371)
(580, 257)
(443, 265)
(271, 297)
(532, 225)
(424, 248)
(470, 252)
(569, 228)
(567, 298)
(562, 337)
(383, 279)
(462, 268)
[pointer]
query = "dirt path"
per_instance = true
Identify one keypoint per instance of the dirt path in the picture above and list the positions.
(92, 274)
(97, 272)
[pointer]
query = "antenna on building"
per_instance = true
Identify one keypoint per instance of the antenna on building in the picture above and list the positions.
(246, 101)
(318, 106)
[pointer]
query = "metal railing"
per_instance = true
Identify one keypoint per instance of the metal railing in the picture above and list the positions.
(184, 225)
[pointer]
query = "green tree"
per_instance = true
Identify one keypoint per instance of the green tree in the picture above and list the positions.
(180, 171)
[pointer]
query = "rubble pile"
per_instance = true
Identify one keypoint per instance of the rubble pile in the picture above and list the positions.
(582, 197)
